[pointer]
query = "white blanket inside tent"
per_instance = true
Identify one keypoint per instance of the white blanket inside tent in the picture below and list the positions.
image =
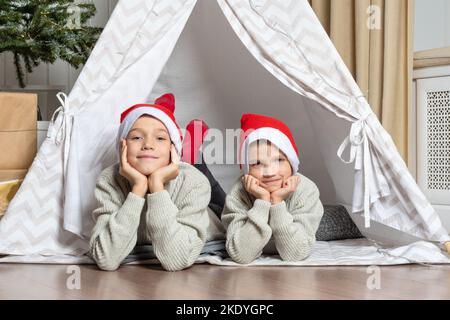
(361, 252)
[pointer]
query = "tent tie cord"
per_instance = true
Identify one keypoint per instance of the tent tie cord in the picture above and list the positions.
(360, 155)
(65, 126)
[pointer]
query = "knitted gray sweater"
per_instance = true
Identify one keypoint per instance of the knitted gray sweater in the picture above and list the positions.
(288, 228)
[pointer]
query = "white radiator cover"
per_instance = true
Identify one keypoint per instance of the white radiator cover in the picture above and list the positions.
(433, 138)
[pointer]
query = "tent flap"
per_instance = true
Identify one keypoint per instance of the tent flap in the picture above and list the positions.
(155, 32)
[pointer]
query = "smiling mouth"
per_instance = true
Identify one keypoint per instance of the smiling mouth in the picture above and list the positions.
(271, 181)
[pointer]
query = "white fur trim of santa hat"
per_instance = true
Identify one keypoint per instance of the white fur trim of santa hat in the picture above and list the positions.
(127, 124)
(276, 137)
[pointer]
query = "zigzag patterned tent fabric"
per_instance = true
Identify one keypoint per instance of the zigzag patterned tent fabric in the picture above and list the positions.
(284, 36)
(34, 221)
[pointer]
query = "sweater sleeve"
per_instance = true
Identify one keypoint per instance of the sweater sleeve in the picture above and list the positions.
(294, 230)
(247, 227)
(178, 233)
(115, 231)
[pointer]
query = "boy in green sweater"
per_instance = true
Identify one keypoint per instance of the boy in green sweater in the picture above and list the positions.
(150, 197)
(273, 209)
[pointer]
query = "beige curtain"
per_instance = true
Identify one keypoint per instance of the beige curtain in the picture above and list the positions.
(380, 58)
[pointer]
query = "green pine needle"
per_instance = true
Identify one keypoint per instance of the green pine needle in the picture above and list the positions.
(42, 31)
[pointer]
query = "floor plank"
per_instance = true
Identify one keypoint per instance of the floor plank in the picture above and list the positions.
(38, 281)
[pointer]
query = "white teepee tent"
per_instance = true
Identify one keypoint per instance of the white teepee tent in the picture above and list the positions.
(214, 77)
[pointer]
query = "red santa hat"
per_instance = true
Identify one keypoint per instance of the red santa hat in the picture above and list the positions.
(162, 109)
(256, 127)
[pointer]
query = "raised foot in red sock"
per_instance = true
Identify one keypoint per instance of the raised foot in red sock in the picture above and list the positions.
(194, 137)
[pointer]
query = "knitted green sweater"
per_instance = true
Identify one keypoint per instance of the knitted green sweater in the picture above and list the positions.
(288, 228)
(175, 221)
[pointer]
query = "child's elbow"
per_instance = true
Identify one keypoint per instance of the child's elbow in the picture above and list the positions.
(176, 259)
(103, 262)
(243, 259)
(176, 264)
(299, 253)
(109, 266)
(240, 255)
(176, 267)
(106, 264)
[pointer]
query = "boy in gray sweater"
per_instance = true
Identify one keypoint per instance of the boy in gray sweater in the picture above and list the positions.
(273, 209)
(150, 197)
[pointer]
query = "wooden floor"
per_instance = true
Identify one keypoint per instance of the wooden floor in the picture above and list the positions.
(35, 281)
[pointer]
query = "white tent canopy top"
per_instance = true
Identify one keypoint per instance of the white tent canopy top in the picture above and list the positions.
(287, 67)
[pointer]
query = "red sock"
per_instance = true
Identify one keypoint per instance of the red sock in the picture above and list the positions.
(195, 134)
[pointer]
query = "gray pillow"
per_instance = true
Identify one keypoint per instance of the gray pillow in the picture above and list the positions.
(336, 224)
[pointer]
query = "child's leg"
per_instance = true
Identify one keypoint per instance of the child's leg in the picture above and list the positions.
(217, 194)
(195, 133)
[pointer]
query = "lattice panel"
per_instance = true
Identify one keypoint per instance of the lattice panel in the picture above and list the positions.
(438, 140)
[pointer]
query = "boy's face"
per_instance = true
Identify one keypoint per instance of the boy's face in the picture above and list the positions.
(268, 164)
(148, 144)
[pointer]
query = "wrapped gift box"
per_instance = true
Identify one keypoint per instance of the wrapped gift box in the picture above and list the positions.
(18, 143)
(18, 125)
(8, 189)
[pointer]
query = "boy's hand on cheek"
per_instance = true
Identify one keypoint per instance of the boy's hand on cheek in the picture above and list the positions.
(288, 188)
(253, 186)
(137, 180)
(160, 177)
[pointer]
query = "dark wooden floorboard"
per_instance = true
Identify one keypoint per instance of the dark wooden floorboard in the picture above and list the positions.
(38, 281)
